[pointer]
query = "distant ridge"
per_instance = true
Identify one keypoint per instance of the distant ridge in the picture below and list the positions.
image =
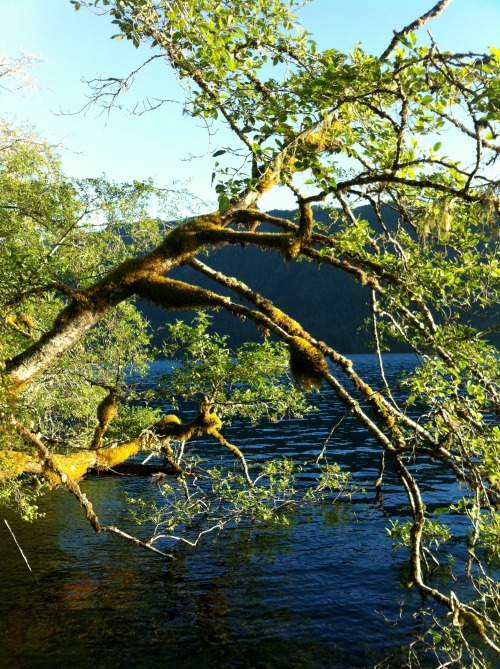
(334, 309)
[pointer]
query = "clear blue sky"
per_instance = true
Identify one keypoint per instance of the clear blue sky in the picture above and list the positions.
(77, 45)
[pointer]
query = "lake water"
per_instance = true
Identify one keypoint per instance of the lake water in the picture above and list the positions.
(326, 591)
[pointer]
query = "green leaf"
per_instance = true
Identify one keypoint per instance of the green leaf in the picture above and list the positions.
(224, 203)
(495, 52)
(441, 509)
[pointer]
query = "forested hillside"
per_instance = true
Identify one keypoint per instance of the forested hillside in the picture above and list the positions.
(337, 309)
(328, 312)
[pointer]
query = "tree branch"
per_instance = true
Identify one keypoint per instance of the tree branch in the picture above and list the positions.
(415, 25)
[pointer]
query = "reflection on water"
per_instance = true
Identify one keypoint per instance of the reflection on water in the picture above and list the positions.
(317, 593)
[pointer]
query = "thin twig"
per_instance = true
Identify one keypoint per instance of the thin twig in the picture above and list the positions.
(20, 549)
(135, 540)
(330, 434)
(377, 345)
(236, 451)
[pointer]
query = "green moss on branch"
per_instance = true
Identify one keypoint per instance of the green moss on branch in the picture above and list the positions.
(176, 295)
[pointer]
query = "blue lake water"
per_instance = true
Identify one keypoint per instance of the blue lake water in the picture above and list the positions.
(325, 591)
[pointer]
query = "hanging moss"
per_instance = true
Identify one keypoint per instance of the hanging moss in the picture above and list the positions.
(106, 411)
(470, 618)
(307, 364)
(293, 248)
(324, 137)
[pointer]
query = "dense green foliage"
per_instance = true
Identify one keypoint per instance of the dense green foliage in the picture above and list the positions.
(252, 382)
(416, 131)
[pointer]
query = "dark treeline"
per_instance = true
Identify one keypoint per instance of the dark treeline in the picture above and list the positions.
(335, 309)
